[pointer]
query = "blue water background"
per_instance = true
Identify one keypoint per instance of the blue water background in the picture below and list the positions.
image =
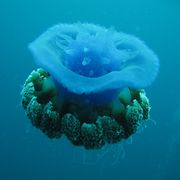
(153, 154)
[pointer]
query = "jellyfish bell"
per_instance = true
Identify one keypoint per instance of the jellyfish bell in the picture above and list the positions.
(99, 60)
(90, 84)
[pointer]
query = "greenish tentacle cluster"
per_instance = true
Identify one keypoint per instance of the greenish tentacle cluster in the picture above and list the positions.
(37, 101)
(113, 122)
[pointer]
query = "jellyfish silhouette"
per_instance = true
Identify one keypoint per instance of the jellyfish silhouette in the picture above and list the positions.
(90, 84)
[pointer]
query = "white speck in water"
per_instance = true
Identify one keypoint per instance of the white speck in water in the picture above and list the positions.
(86, 61)
(85, 50)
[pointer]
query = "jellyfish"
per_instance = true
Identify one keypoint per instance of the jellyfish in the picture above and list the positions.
(89, 85)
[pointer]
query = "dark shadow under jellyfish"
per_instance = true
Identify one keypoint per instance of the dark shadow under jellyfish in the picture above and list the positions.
(89, 85)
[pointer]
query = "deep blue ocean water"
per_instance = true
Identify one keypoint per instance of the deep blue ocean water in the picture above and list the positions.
(153, 154)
